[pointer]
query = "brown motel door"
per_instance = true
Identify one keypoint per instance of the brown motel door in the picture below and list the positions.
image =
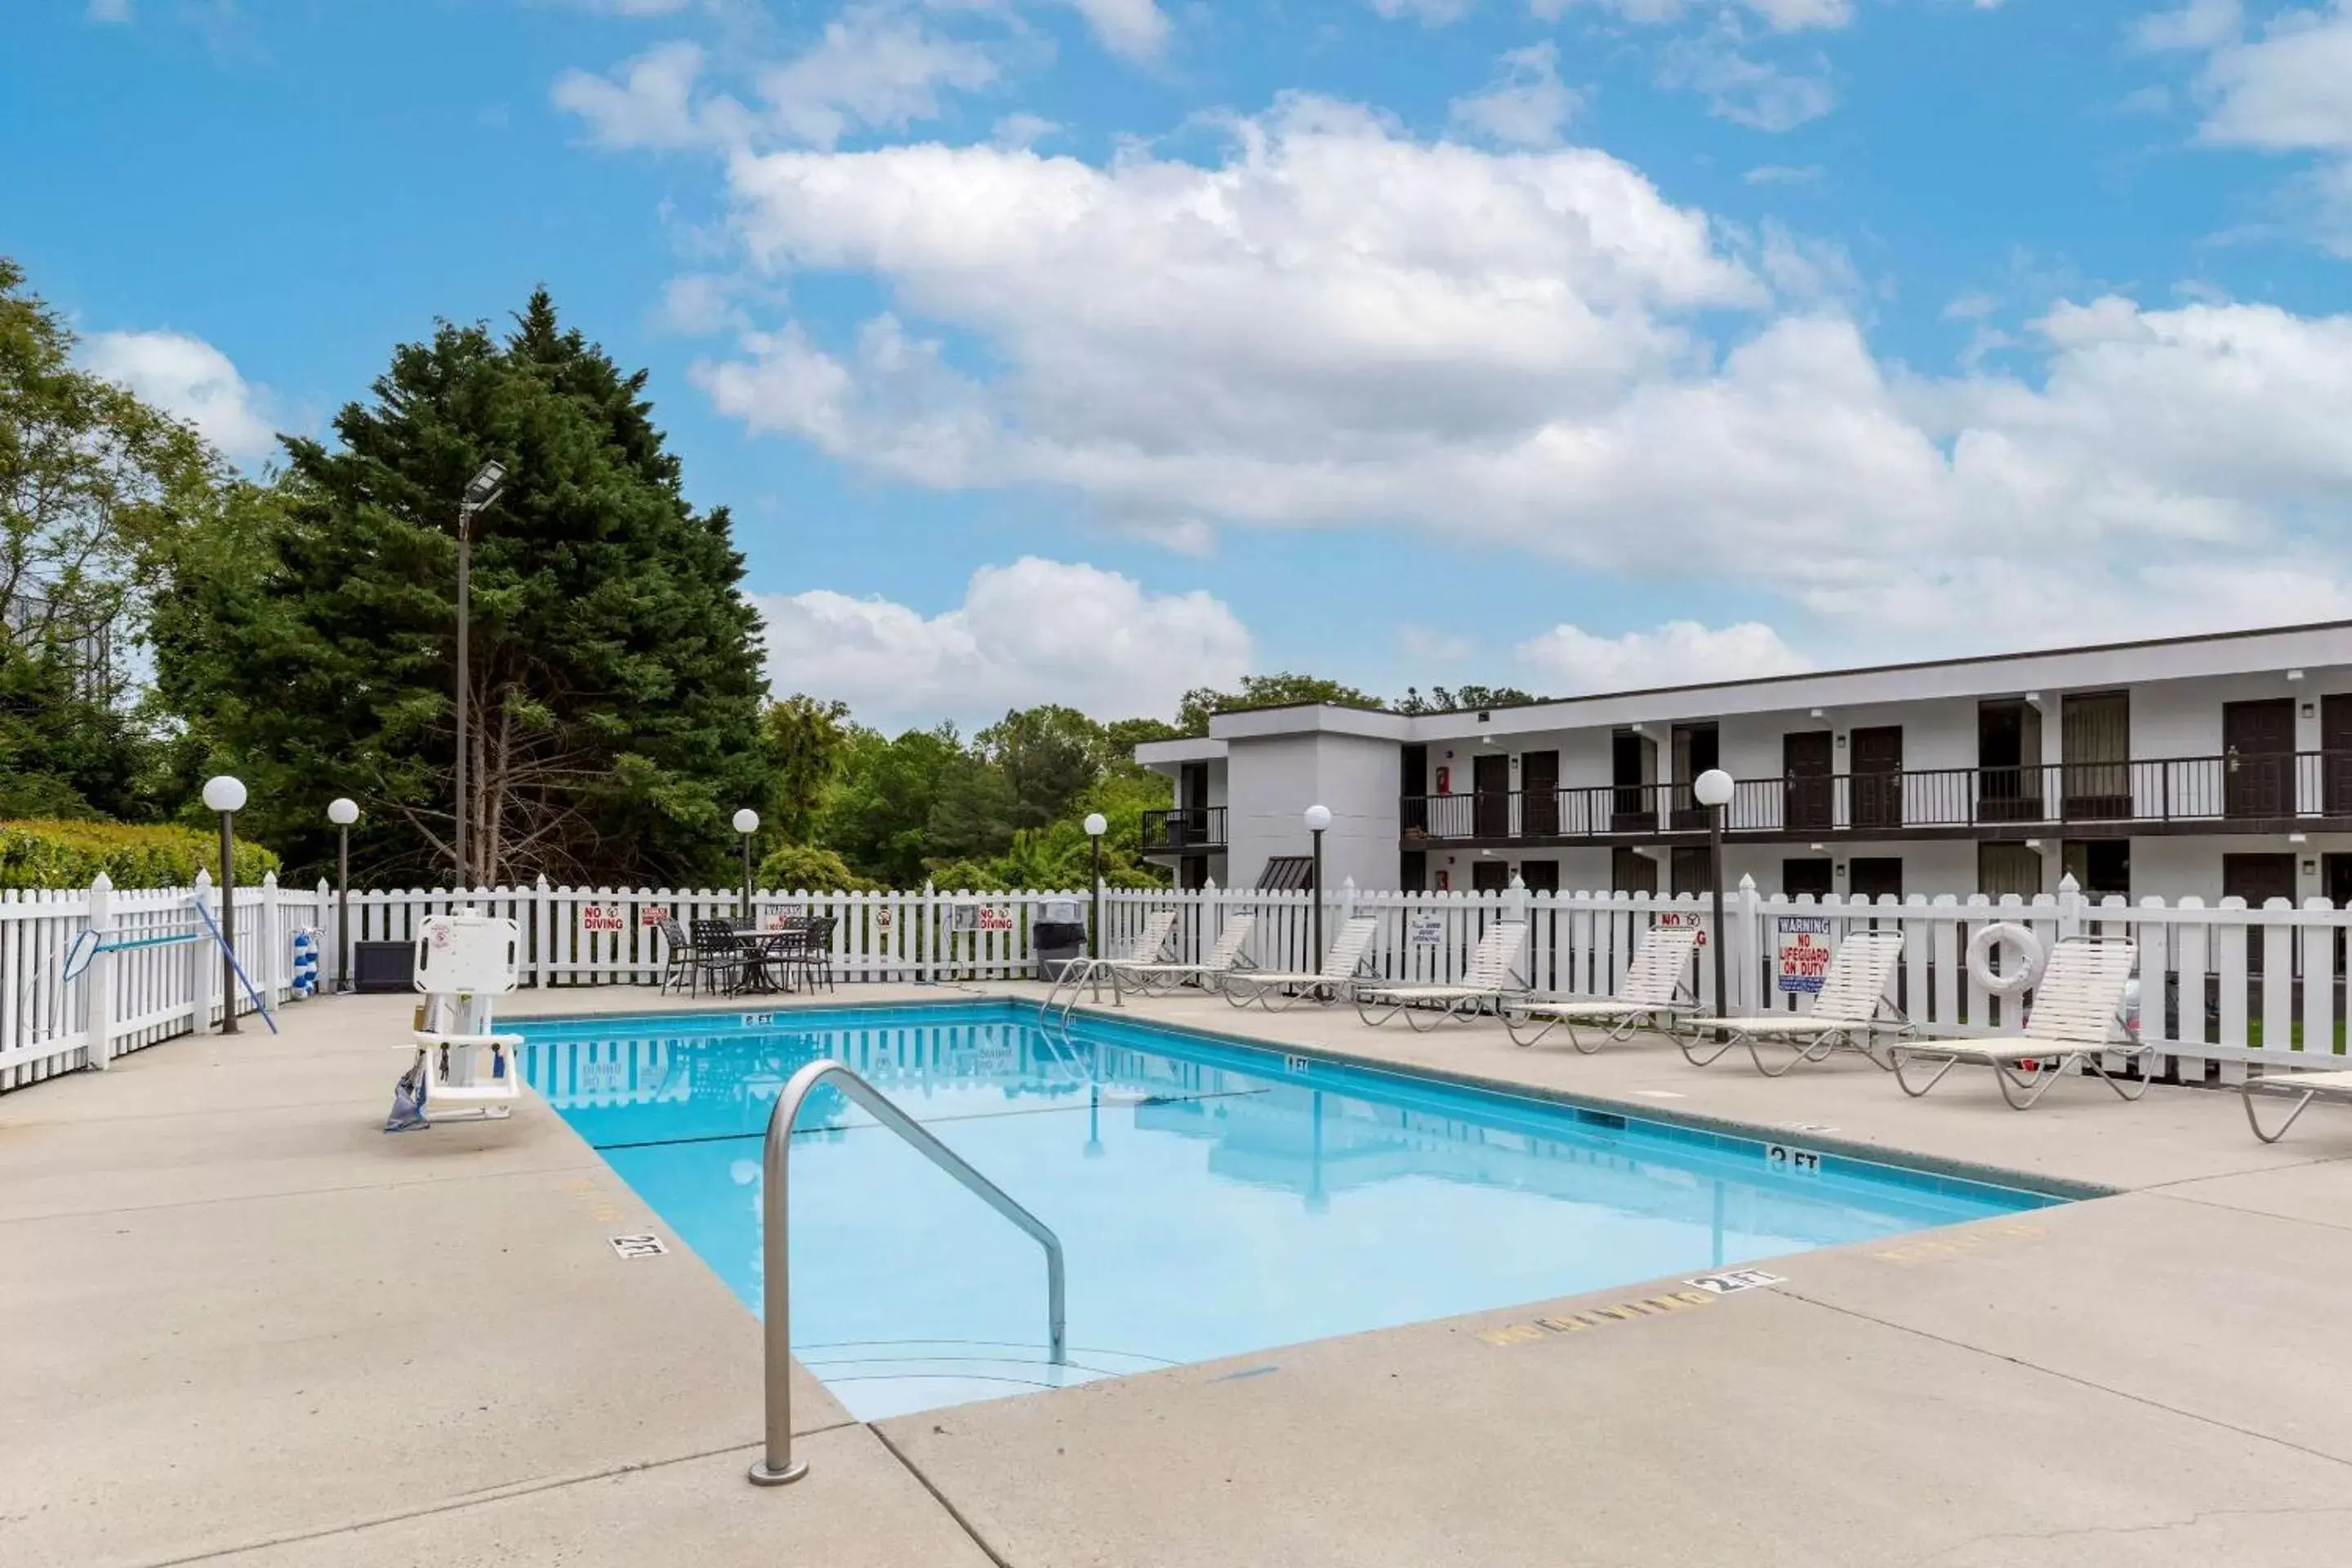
(2258, 758)
(1877, 783)
(1538, 797)
(1490, 775)
(1806, 767)
(2335, 742)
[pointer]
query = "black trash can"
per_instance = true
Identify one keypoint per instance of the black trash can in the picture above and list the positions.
(383, 966)
(1059, 935)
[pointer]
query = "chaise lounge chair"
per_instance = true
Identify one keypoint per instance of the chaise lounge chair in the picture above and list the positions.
(1342, 969)
(1850, 1009)
(1489, 981)
(1224, 959)
(1652, 993)
(1145, 946)
(2335, 1085)
(2076, 1004)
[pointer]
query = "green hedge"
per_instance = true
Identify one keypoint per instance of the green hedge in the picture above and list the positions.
(72, 854)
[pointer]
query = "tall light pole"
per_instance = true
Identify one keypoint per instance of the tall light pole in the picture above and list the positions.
(1713, 789)
(343, 811)
(1319, 817)
(747, 823)
(480, 491)
(224, 796)
(1097, 825)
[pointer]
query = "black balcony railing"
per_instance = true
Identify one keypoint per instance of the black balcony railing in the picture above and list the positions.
(2217, 791)
(1185, 829)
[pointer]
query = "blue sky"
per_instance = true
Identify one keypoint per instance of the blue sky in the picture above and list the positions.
(1091, 350)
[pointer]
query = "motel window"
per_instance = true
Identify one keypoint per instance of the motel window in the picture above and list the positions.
(1874, 877)
(1540, 876)
(2100, 867)
(2004, 869)
(1810, 873)
(1631, 871)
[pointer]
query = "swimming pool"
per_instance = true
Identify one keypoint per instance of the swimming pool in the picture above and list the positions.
(1212, 1198)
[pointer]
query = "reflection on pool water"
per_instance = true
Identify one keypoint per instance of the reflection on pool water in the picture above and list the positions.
(1212, 1199)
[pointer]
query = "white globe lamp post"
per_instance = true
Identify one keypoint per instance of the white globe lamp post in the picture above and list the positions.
(1714, 790)
(343, 811)
(225, 797)
(1097, 825)
(1319, 817)
(747, 823)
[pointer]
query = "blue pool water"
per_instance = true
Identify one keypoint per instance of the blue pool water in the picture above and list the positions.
(1212, 1199)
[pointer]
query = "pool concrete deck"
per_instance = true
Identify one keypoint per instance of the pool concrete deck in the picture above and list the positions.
(242, 1326)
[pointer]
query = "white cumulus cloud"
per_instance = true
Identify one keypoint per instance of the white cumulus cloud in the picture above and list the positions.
(190, 380)
(1035, 631)
(1572, 661)
(1527, 104)
(1782, 16)
(1133, 30)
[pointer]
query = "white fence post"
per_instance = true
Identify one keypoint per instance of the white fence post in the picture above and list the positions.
(272, 969)
(1745, 953)
(543, 933)
(97, 981)
(203, 979)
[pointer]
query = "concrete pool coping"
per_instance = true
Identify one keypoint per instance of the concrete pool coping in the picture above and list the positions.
(244, 1326)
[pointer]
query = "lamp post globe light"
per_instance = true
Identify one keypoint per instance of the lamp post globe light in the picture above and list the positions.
(1319, 817)
(1097, 825)
(1714, 791)
(225, 797)
(343, 811)
(480, 491)
(747, 823)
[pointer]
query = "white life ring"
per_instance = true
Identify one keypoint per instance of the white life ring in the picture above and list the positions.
(2022, 971)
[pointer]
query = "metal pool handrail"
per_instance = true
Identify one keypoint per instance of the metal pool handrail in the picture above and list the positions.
(777, 1466)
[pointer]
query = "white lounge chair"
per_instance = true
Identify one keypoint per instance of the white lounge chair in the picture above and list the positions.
(2077, 1003)
(1489, 981)
(2335, 1085)
(1850, 1009)
(1652, 993)
(1146, 946)
(1343, 967)
(1224, 959)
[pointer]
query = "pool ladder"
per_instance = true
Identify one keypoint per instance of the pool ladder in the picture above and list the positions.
(1077, 974)
(777, 1466)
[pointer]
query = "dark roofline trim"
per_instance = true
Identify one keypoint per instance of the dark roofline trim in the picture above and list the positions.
(1821, 674)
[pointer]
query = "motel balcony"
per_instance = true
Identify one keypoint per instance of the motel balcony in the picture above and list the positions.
(1185, 830)
(2230, 794)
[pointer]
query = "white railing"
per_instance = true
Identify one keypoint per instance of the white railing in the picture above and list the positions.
(2222, 986)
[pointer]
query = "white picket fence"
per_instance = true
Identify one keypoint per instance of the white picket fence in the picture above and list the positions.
(2222, 986)
(127, 1000)
(130, 998)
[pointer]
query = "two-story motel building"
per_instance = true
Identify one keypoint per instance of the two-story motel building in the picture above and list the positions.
(2207, 765)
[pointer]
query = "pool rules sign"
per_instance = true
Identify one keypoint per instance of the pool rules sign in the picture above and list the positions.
(1804, 944)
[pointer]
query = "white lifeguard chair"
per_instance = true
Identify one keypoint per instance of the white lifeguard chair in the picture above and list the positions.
(464, 960)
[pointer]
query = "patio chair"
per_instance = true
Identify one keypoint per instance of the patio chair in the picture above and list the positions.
(814, 960)
(2331, 1085)
(1850, 1009)
(1490, 981)
(1343, 967)
(2076, 1004)
(719, 955)
(677, 955)
(1223, 960)
(1652, 992)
